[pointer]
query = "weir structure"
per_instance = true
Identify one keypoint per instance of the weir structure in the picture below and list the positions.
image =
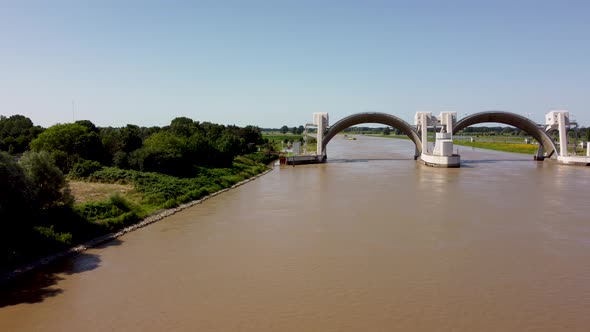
(442, 154)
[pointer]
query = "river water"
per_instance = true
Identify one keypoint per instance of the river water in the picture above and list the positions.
(370, 241)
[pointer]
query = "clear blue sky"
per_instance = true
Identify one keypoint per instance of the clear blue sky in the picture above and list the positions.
(270, 63)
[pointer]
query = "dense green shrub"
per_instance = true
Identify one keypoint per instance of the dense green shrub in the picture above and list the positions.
(84, 168)
(259, 157)
(160, 189)
(125, 219)
(50, 234)
(115, 206)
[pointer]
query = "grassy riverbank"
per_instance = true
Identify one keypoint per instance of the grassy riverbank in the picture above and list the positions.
(495, 143)
(501, 146)
(390, 136)
(111, 199)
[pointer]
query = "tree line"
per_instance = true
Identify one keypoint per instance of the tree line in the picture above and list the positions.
(175, 149)
(285, 129)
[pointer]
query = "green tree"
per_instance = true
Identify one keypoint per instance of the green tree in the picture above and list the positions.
(51, 188)
(227, 146)
(183, 126)
(251, 134)
(163, 152)
(211, 130)
(111, 140)
(88, 124)
(119, 142)
(284, 129)
(16, 133)
(68, 143)
(386, 131)
(149, 131)
(16, 191)
(130, 138)
(300, 130)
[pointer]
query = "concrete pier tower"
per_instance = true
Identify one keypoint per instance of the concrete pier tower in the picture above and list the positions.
(321, 121)
(442, 154)
(559, 120)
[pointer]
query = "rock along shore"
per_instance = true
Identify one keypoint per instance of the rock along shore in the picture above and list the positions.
(111, 236)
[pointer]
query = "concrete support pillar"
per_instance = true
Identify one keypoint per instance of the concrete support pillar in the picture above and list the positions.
(447, 119)
(587, 149)
(562, 134)
(320, 140)
(434, 131)
(421, 120)
(321, 121)
(540, 153)
(424, 132)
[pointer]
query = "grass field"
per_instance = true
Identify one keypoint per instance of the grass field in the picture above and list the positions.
(501, 146)
(499, 143)
(85, 192)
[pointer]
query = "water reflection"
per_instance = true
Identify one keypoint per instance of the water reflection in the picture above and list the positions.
(38, 285)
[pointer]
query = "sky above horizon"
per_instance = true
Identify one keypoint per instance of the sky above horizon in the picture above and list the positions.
(270, 63)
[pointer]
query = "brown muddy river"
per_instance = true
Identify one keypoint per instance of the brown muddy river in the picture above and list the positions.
(371, 241)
